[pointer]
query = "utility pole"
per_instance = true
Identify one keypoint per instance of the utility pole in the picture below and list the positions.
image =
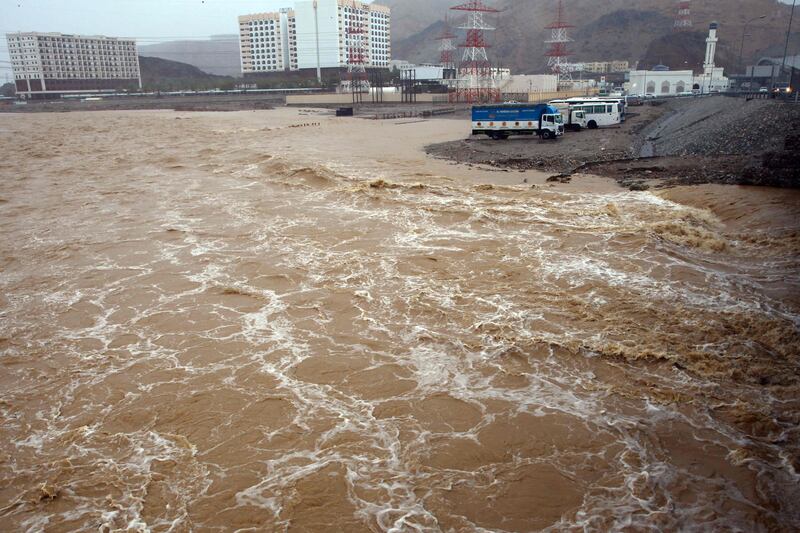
(786, 46)
(644, 89)
(316, 30)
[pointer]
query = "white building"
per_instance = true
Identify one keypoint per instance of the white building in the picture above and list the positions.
(533, 83)
(328, 29)
(660, 82)
(769, 68)
(664, 82)
(426, 72)
(55, 63)
(268, 41)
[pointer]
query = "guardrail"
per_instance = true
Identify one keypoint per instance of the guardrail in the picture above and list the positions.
(425, 113)
(751, 95)
(789, 98)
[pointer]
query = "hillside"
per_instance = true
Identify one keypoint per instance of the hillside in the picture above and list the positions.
(605, 29)
(410, 17)
(165, 75)
(625, 32)
(685, 50)
(217, 55)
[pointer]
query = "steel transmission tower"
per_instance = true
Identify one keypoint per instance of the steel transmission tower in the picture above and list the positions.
(446, 47)
(477, 83)
(356, 55)
(558, 53)
(683, 17)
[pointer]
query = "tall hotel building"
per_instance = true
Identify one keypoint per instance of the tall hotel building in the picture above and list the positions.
(54, 63)
(287, 40)
(268, 41)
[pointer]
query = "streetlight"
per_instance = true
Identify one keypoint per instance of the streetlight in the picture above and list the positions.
(316, 31)
(644, 94)
(786, 46)
(744, 32)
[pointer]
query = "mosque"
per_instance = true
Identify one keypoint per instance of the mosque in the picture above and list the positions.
(660, 81)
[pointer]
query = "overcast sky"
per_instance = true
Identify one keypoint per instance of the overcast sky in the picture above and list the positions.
(131, 18)
(147, 20)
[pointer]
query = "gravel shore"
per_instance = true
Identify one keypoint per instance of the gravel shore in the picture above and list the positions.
(680, 142)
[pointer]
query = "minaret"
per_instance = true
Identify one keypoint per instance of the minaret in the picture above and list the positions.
(711, 48)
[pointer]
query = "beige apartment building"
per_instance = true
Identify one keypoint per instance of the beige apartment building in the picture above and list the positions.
(289, 39)
(619, 66)
(604, 67)
(50, 64)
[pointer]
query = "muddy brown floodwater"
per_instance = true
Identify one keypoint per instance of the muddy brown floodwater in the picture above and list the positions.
(216, 322)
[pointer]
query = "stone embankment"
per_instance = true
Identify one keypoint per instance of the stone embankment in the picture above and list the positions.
(726, 140)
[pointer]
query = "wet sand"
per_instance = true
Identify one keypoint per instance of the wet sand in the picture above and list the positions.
(235, 321)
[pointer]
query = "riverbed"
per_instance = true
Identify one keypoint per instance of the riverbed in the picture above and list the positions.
(281, 320)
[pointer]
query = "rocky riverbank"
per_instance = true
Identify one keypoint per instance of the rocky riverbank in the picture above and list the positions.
(681, 142)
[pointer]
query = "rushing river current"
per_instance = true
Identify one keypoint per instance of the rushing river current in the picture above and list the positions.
(273, 321)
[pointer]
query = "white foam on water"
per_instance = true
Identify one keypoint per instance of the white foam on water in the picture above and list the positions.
(456, 287)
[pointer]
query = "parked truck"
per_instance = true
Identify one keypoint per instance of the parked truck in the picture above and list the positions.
(574, 118)
(503, 120)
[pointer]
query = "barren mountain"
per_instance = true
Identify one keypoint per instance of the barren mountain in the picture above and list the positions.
(410, 17)
(633, 30)
(217, 55)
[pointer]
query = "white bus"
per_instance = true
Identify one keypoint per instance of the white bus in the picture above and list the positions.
(599, 112)
(592, 99)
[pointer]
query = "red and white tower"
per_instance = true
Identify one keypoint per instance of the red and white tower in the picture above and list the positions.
(356, 32)
(683, 17)
(558, 53)
(477, 82)
(446, 47)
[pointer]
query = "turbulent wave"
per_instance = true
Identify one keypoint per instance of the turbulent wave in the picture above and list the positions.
(223, 337)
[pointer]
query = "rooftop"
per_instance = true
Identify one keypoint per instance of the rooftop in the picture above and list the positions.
(64, 35)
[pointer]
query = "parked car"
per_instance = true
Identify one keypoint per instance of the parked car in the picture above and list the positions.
(649, 96)
(686, 93)
(633, 99)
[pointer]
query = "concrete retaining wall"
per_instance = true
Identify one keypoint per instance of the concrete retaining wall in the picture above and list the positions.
(424, 98)
(347, 98)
